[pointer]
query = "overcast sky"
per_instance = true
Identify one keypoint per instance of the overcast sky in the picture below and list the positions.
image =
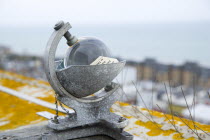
(43, 12)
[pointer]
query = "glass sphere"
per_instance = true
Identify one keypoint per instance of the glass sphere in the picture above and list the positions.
(85, 51)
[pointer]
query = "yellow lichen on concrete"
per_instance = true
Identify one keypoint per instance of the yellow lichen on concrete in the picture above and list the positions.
(193, 124)
(154, 128)
(22, 112)
(15, 112)
(128, 117)
(191, 138)
(11, 83)
(123, 104)
(160, 125)
(178, 136)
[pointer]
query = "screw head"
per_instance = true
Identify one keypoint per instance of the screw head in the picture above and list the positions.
(122, 119)
(109, 87)
(58, 25)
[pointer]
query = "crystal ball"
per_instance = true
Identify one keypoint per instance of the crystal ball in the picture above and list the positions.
(85, 51)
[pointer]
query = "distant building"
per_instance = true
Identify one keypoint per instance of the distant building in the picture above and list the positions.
(4, 50)
(146, 70)
(189, 74)
(204, 79)
(162, 73)
(175, 75)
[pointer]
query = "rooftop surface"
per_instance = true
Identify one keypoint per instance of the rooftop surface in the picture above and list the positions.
(16, 112)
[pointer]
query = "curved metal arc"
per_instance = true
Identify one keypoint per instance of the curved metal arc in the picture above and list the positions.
(50, 59)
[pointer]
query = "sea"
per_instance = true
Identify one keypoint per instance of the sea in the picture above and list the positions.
(170, 43)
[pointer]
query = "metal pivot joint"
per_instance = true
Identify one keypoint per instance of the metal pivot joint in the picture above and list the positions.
(74, 84)
(70, 39)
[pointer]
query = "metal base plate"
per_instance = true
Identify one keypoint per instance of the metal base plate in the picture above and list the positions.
(92, 118)
(87, 130)
(70, 122)
(42, 132)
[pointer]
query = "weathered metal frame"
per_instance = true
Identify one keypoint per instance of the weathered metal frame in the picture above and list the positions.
(91, 111)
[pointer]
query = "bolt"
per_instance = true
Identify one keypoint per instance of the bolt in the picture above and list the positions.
(58, 25)
(121, 119)
(109, 87)
(71, 40)
(55, 120)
